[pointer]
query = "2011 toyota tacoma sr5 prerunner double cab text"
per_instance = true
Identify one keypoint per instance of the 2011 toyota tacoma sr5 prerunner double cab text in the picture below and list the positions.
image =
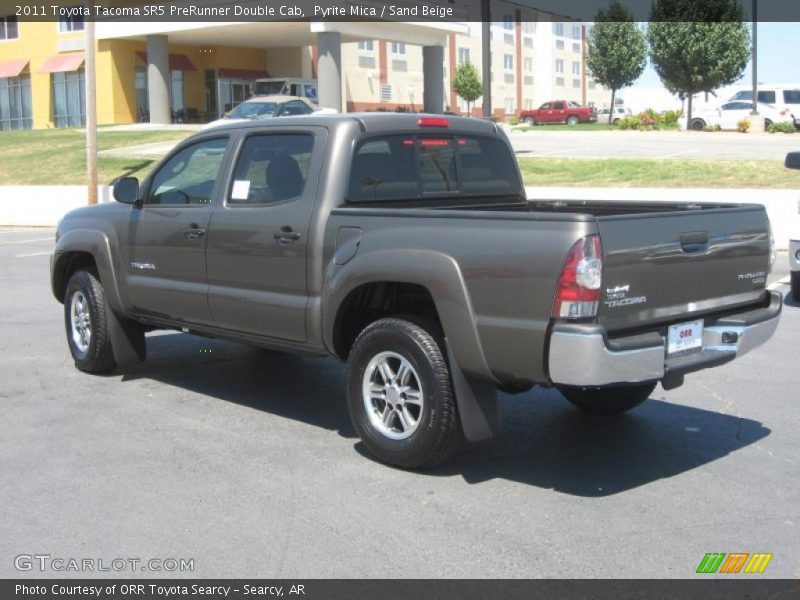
(404, 245)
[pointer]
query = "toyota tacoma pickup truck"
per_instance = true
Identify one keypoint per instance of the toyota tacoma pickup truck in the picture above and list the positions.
(559, 111)
(405, 246)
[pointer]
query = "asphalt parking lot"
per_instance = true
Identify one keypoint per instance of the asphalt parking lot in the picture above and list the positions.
(571, 142)
(244, 461)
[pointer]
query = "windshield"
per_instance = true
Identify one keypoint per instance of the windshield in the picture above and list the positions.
(253, 110)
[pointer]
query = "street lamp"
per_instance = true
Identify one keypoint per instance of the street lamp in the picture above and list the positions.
(754, 112)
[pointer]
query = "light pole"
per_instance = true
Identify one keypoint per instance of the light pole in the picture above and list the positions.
(91, 114)
(754, 112)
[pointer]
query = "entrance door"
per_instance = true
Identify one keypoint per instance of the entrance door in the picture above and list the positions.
(258, 238)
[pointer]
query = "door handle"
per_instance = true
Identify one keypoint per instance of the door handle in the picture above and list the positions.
(285, 235)
(194, 232)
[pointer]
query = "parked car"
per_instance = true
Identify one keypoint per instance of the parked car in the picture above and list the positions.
(559, 111)
(793, 162)
(620, 112)
(266, 107)
(404, 245)
(729, 114)
(782, 98)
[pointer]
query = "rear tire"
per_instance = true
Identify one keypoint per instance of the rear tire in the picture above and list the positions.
(400, 394)
(608, 400)
(767, 123)
(795, 285)
(698, 124)
(85, 321)
(573, 120)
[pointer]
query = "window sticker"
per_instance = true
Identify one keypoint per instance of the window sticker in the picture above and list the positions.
(241, 189)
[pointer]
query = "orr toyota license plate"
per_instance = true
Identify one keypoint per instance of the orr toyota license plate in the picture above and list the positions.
(685, 338)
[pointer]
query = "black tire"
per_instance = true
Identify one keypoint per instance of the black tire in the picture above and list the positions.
(698, 124)
(608, 400)
(795, 285)
(97, 356)
(573, 120)
(437, 433)
(530, 121)
(767, 123)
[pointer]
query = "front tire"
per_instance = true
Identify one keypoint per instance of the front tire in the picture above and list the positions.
(400, 394)
(530, 121)
(608, 400)
(698, 124)
(795, 285)
(85, 321)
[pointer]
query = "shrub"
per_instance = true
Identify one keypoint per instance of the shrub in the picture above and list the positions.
(715, 127)
(630, 122)
(670, 118)
(513, 121)
(401, 109)
(783, 127)
(743, 126)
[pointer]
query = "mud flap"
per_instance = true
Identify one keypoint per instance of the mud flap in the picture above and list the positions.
(127, 339)
(478, 404)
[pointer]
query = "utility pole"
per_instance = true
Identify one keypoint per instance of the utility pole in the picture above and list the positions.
(91, 113)
(754, 112)
(486, 51)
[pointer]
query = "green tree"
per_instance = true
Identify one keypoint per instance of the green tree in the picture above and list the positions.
(467, 84)
(698, 46)
(616, 52)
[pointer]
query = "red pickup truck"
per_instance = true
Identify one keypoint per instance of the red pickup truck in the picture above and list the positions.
(559, 111)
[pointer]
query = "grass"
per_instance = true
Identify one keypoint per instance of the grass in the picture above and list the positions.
(600, 126)
(623, 172)
(58, 156)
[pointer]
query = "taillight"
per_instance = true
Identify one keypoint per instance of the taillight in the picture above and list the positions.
(433, 122)
(578, 290)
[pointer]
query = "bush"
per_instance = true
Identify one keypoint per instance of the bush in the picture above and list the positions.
(783, 127)
(715, 127)
(743, 126)
(513, 121)
(670, 118)
(631, 122)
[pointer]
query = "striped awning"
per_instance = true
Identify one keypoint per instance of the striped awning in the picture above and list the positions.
(63, 62)
(12, 68)
(177, 62)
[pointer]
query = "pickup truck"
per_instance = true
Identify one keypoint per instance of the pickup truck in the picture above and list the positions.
(405, 246)
(559, 111)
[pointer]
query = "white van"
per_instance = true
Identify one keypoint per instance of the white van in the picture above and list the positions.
(287, 86)
(783, 97)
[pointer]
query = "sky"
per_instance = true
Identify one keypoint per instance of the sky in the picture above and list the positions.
(778, 57)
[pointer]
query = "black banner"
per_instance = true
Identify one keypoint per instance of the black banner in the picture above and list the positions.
(378, 10)
(751, 588)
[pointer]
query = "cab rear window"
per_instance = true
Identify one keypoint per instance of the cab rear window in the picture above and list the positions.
(407, 167)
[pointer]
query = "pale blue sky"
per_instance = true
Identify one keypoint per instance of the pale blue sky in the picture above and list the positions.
(778, 56)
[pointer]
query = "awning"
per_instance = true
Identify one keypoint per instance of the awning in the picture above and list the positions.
(12, 68)
(63, 62)
(242, 74)
(177, 62)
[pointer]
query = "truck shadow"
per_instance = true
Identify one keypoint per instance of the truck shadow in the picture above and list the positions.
(544, 442)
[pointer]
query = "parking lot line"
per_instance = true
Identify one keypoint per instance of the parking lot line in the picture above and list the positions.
(31, 254)
(48, 239)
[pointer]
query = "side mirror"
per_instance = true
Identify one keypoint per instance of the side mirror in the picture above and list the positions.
(126, 190)
(793, 160)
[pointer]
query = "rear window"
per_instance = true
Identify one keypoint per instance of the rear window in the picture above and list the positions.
(407, 167)
(791, 96)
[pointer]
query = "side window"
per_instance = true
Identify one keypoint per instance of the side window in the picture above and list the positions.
(791, 96)
(558, 106)
(545, 106)
(271, 168)
(295, 107)
(188, 177)
(768, 97)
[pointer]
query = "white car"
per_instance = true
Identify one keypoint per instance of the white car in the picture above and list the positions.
(620, 112)
(793, 162)
(266, 107)
(781, 97)
(729, 114)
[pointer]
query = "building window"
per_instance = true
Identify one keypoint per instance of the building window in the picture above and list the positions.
(508, 22)
(400, 65)
(16, 106)
(559, 44)
(386, 92)
(576, 68)
(528, 27)
(576, 47)
(9, 28)
(509, 105)
(508, 78)
(463, 55)
(366, 62)
(576, 83)
(592, 84)
(366, 45)
(559, 65)
(69, 101)
(527, 42)
(527, 64)
(558, 28)
(508, 61)
(528, 104)
(560, 81)
(142, 100)
(176, 94)
(73, 23)
(398, 47)
(508, 38)
(576, 32)
(528, 80)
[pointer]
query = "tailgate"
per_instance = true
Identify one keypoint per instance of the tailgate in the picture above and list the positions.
(665, 267)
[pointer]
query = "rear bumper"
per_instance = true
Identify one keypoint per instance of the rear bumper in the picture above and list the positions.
(583, 354)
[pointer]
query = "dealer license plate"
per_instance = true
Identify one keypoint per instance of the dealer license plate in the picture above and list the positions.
(685, 338)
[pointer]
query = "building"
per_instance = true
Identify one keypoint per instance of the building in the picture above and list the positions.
(165, 71)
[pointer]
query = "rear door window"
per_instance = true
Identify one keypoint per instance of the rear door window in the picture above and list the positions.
(408, 167)
(791, 96)
(767, 96)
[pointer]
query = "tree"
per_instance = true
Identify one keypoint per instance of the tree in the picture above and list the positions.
(698, 46)
(616, 52)
(467, 84)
